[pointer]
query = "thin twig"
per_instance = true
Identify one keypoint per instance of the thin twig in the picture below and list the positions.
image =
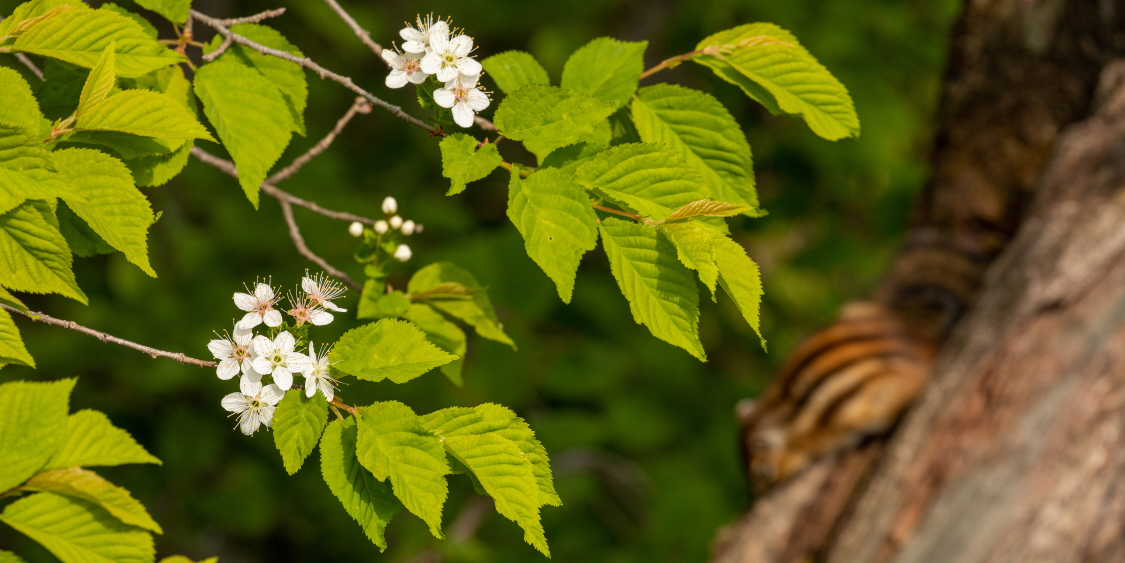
(256, 18)
(227, 42)
(633, 216)
(178, 356)
(228, 168)
(306, 62)
(299, 242)
(360, 106)
(362, 34)
(30, 65)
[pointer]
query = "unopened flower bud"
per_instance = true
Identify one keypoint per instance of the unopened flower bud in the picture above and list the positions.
(396, 222)
(355, 229)
(390, 206)
(402, 253)
(381, 227)
(418, 228)
(408, 227)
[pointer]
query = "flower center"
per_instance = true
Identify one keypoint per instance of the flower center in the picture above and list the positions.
(264, 306)
(461, 93)
(240, 353)
(255, 404)
(409, 68)
(449, 59)
(277, 358)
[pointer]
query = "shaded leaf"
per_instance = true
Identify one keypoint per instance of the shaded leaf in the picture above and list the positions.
(366, 499)
(444, 334)
(34, 257)
(77, 531)
(92, 440)
(546, 118)
(473, 307)
(89, 486)
(32, 426)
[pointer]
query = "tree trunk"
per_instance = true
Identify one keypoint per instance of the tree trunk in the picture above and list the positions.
(1016, 449)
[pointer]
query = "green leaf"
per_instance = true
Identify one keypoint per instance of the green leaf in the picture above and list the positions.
(476, 309)
(92, 440)
(462, 162)
(606, 68)
(17, 104)
(30, 13)
(297, 424)
(144, 113)
(81, 35)
(12, 350)
(512, 70)
(705, 134)
(250, 115)
(175, 11)
(9, 557)
(108, 201)
(770, 65)
(366, 499)
(156, 169)
(98, 83)
(546, 118)
(150, 29)
(739, 276)
(662, 294)
(89, 486)
(695, 247)
(706, 208)
(557, 223)
(489, 418)
(81, 239)
(392, 443)
(34, 257)
(10, 300)
(567, 159)
(376, 304)
(288, 76)
(17, 187)
(387, 349)
(648, 178)
(32, 426)
(507, 477)
(444, 334)
(77, 531)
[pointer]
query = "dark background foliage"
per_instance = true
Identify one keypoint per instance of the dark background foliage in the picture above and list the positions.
(642, 436)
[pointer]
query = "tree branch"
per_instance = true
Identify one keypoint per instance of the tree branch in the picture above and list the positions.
(362, 34)
(299, 242)
(360, 106)
(306, 62)
(153, 352)
(256, 18)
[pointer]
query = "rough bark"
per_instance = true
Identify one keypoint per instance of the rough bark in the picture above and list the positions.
(999, 432)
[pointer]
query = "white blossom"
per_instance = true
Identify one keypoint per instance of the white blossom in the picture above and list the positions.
(390, 205)
(318, 375)
(233, 352)
(461, 94)
(381, 227)
(405, 67)
(449, 57)
(396, 222)
(277, 358)
(408, 227)
(254, 405)
(303, 310)
(355, 229)
(417, 37)
(322, 290)
(402, 253)
(258, 307)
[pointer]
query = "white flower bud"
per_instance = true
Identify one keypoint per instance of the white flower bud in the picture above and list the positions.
(418, 228)
(390, 206)
(381, 227)
(402, 253)
(408, 227)
(396, 222)
(355, 229)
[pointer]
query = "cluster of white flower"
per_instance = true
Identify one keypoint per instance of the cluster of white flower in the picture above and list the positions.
(258, 356)
(432, 48)
(393, 222)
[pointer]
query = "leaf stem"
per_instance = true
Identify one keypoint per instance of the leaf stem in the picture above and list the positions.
(633, 216)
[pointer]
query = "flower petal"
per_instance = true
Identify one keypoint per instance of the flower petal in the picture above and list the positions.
(285, 343)
(263, 292)
(431, 63)
(283, 378)
(235, 402)
(469, 67)
(461, 46)
(310, 387)
(271, 395)
(444, 98)
(263, 346)
(228, 368)
(439, 36)
(390, 56)
(220, 348)
(242, 337)
(446, 73)
(262, 365)
(321, 318)
(477, 100)
(332, 307)
(250, 388)
(245, 301)
(463, 115)
(248, 322)
(273, 318)
(417, 77)
(415, 47)
(397, 79)
(327, 389)
(308, 285)
(267, 416)
(250, 376)
(249, 423)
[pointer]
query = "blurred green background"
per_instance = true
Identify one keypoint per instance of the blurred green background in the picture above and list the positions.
(642, 436)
